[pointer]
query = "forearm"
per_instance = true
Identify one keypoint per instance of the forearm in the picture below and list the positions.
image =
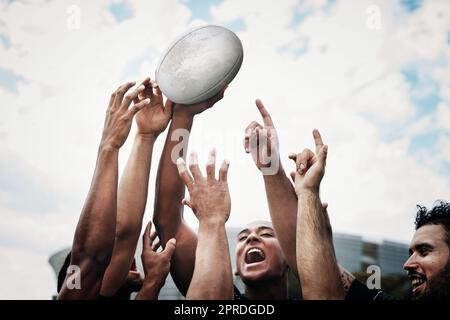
(168, 212)
(282, 202)
(170, 188)
(316, 260)
(212, 278)
(133, 188)
(150, 289)
(95, 232)
(131, 203)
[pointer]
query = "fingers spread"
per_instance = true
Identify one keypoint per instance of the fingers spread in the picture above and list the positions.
(193, 166)
(131, 96)
(120, 92)
(184, 174)
(138, 106)
(223, 172)
(211, 166)
(264, 113)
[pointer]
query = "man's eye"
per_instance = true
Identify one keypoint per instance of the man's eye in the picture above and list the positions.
(424, 252)
(242, 238)
(266, 235)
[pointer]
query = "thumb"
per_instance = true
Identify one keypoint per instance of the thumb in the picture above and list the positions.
(168, 107)
(187, 202)
(170, 248)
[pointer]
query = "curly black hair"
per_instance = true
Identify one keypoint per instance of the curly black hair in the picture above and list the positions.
(438, 215)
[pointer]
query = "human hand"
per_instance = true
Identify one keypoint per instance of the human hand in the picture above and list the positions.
(262, 142)
(310, 167)
(119, 116)
(190, 110)
(154, 118)
(156, 264)
(209, 197)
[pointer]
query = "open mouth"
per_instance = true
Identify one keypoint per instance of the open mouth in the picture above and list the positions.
(254, 255)
(418, 284)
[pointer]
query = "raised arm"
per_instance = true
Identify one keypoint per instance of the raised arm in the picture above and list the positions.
(210, 202)
(262, 143)
(156, 264)
(94, 236)
(168, 213)
(316, 259)
(133, 189)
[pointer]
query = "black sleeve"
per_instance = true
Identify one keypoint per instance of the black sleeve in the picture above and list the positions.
(238, 295)
(359, 291)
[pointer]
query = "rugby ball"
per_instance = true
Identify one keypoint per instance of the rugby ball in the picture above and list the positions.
(199, 63)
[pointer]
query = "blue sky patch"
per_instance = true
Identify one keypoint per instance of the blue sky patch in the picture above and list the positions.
(121, 11)
(411, 5)
(9, 80)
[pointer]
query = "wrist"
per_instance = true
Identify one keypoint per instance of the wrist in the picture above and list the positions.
(180, 114)
(307, 191)
(149, 137)
(150, 290)
(213, 220)
(105, 148)
(274, 173)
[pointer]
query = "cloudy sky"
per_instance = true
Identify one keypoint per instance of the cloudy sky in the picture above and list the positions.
(373, 76)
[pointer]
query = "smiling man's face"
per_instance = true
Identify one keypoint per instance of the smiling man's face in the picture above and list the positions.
(258, 253)
(429, 257)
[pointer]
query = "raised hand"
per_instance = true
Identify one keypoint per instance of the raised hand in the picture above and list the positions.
(262, 142)
(153, 119)
(119, 116)
(310, 166)
(209, 197)
(193, 109)
(156, 264)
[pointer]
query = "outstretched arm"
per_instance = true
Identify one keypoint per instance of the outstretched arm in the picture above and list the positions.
(168, 213)
(94, 236)
(133, 189)
(262, 143)
(210, 202)
(316, 260)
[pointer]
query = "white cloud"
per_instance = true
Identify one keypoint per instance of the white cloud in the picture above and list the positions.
(348, 84)
(443, 116)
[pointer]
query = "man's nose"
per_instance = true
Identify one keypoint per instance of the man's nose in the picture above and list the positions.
(253, 237)
(411, 263)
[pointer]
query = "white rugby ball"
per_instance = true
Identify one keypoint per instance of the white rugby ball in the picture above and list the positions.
(199, 64)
